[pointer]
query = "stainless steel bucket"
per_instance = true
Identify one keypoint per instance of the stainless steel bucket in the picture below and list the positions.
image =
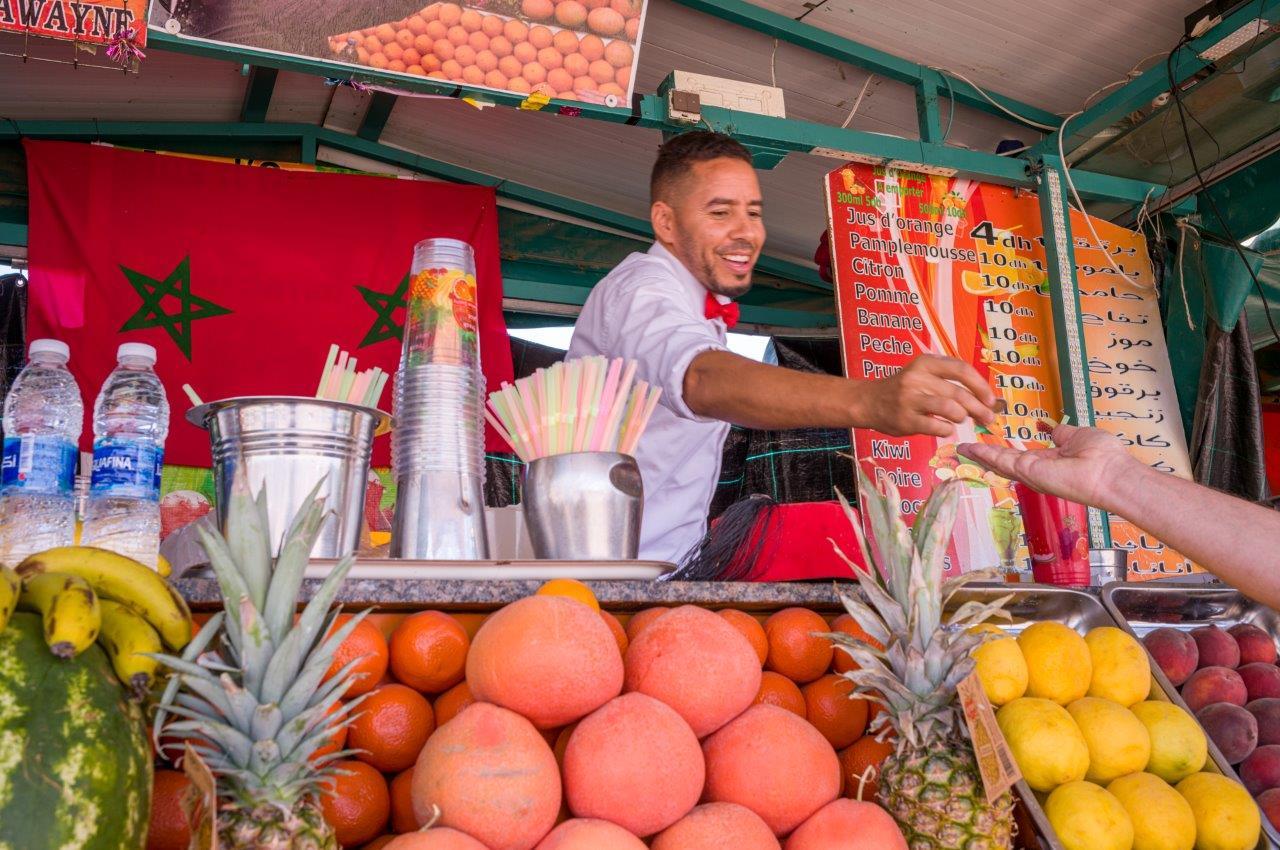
(584, 506)
(288, 445)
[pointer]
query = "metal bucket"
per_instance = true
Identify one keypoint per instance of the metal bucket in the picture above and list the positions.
(288, 445)
(584, 506)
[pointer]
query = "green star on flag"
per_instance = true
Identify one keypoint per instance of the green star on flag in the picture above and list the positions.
(385, 305)
(152, 313)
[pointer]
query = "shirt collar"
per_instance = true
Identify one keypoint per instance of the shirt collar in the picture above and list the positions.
(686, 278)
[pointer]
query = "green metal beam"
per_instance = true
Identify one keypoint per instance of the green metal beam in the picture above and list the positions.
(257, 95)
(760, 131)
(1138, 94)
(376, 116)
(860, 55)
(927, 112)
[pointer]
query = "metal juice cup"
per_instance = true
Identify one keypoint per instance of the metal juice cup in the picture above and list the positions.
(584, 506)
(286, 446)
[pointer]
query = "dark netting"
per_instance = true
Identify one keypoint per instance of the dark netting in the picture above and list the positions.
(502, 469)
(13, 335)
(1226, 440)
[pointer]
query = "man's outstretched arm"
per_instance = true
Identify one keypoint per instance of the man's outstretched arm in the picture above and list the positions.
(1236, 540)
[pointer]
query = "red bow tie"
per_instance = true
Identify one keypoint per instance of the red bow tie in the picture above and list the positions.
(728, 311)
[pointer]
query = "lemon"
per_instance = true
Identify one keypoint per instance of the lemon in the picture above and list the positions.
(571, 588)
(1001, 667)
(1178, 747)
(1118, 742)
(1121, 672)
(1162, 818)
(1058, 663)
(1087, 817)
(1226, 816)
(1045, 742)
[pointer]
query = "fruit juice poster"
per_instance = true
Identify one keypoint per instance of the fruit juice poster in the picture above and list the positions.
(928, 264)
(1129, 372)
(573, 50)
(88, 21)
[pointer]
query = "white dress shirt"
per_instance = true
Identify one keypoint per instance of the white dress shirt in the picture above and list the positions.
(651, 309)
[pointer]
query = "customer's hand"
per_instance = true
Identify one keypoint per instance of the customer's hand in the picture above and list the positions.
(1085, 465)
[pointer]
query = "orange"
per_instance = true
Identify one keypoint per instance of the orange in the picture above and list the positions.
(471, 20)
(830, 706)
(565, 41)
(619, 633)
(403, 818)
(750, 628)
(591, 47)
(391, 726)
(429, 651)
(551, 59)
(794, 650)
(366, 643)
(478, 41)
(540, 37)
(360, 804)
(450, 14)
(860, 763)
(492, 25)
(841, 662)
(500, 46)
(600, 71)
(452, 701)
(571, 588)
(417, 24)
(576, 64)
(385, 33)
(515, 31)
(618, 54)
(777, 689)
(336, 742)
(169, 829)
(406, 36)
(641, 619)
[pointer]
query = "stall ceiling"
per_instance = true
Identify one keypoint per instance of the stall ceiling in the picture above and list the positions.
(1044, 52)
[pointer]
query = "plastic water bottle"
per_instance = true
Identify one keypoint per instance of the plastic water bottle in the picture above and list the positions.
(130, 422)
(43, 416)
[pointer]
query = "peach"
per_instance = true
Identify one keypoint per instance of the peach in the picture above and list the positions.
(774, 763)
(1214, 684)
(1217, 648)
(1267, 713)
(696, 662)
(606, 22)
(1260, 771)
(634, 762)
(491, 775)
(718, 826)
(1256, 645)
(1233, 729)
(571, 14)
(1269, 802)
(848, 825)
(590, 834)
(1262, 680)
(550, 658)
(1175, 652)
(439, 838)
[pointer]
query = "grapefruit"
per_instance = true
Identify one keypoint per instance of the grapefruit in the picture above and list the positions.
(718, 826)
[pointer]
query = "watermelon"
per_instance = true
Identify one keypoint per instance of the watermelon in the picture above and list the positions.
(75, 766)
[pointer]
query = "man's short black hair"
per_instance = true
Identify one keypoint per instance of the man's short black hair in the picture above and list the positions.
(678, 155)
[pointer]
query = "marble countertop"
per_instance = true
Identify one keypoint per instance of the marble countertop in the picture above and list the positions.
(405, 594)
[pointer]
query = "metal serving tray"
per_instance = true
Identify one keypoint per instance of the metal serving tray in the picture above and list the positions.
(1142, 607)
(1081, 611)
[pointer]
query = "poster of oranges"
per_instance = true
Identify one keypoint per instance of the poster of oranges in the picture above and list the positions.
(577, 50)
(929, 264)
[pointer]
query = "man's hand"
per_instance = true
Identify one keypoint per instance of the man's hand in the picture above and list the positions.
(926, 397)
(1085, 465)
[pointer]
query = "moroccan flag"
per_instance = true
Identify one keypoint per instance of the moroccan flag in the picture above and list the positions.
(240, 277)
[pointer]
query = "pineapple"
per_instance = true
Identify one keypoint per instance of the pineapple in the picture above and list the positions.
(930, 783)
(248, 691)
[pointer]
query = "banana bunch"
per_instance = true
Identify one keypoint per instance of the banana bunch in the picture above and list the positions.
(85, 594)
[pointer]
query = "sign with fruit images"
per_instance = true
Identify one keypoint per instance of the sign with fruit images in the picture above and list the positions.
(927, 264)
(577, 50)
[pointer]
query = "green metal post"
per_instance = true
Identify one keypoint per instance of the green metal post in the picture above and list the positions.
(927, 112)
(1068, 327)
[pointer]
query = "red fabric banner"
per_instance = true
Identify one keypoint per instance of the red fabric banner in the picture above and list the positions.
(240, 277)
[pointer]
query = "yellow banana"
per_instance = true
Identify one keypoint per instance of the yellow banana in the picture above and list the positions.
(163, 567)
(126, 636)
(122, 580)
(10, 588)
(69, 608)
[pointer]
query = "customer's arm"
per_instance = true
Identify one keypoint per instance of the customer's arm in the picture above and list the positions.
(1236, 540)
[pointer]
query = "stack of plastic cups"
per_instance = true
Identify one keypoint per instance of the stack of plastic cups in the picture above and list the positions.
(437, 446)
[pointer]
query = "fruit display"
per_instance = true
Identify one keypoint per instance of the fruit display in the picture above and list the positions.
(1119, 767)
(567, 49)
(1230, 679)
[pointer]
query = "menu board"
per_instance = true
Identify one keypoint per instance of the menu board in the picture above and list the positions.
(930, 264)
(88, 21)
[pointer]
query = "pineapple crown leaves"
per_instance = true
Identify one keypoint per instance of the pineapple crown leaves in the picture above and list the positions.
(901, 606)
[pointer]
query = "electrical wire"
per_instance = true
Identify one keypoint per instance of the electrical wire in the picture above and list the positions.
(1176, 91)
(1066, 175)
(857, 103)
(992, 101)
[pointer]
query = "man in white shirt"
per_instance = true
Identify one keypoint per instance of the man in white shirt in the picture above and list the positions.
(670, 308)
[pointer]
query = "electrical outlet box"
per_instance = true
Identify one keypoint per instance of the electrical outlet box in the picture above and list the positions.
(726, 94)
